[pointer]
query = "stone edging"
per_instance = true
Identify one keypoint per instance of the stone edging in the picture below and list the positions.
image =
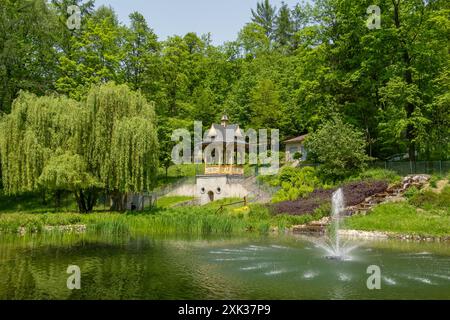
(360, 234)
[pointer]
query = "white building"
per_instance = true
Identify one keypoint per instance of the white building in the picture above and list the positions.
(296, 146)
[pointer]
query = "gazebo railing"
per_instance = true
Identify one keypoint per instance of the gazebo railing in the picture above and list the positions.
(224, 169)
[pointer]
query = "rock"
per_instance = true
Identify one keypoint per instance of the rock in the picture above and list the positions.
(77, 228)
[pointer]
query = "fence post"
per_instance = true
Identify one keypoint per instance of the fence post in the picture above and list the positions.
(411, 166)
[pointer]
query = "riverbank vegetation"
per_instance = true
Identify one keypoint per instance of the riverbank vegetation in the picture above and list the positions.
(176, 221)
(423, 213)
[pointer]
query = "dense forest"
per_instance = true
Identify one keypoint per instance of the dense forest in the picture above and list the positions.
(290, 68)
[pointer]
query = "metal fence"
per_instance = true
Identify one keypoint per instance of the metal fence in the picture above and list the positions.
(418, 167)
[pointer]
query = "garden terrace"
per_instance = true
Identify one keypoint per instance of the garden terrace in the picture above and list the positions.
(354, 192)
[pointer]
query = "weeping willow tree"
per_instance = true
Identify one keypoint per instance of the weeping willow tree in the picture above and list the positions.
(68, 172)
(123, 146)
(36, 130)
(106, 142)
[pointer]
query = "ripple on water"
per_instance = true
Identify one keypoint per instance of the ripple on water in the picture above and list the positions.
(234, 250)
(256, 248)
(279, 247)
(420, 279)
(344, 277)
(222, 252)
(310, 275)
(275, 272)
(389, 281)
(441, 276)
(235, 259)
(255, 267)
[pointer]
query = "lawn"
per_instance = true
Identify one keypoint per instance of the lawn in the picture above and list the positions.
(425, 213)
(170, 201)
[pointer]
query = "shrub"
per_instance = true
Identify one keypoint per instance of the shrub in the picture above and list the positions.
(340, 148)
(428, 199)
(295, 183)
(411, 192)
(434, 180)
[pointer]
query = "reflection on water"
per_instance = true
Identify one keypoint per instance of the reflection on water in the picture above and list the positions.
(246, 268)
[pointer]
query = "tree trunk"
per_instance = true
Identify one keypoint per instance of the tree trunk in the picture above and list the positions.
(58, 194)
(119, 201)
(86, 200)
(44, 200)
(79, 196)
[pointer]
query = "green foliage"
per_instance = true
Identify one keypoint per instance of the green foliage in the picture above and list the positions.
(170, 201)
(435, 178)
(55, 143)
(36, 130)
(290, 68)
(67, 172)
(427, 213)
(429, 200)
(265, 105)
(28, 51)
(411, 192)
(376, 174)
(339, 148)
(402, 218)
(284, 27)
(95, 55)
(297, 156)
(265, 16)
(123, 144)
(295, 183)
(205, 220)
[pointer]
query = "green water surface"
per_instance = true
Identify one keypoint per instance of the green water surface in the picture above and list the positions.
(34, 267)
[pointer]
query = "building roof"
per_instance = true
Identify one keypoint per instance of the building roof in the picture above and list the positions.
(226, 134)
(296, 139)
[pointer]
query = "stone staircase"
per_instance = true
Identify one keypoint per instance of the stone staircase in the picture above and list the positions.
(393, 192)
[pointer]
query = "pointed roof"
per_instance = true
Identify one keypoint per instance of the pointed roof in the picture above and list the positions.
(296, 139)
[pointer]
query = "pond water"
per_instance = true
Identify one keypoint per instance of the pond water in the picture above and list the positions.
(34, 267)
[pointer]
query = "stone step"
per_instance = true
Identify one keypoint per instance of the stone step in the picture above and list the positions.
(308, 229)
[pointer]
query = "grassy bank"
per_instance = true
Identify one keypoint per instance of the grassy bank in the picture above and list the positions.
(181, 220)
(424, 213)
(170, 201)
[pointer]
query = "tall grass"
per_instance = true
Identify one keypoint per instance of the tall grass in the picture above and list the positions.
(197, 221)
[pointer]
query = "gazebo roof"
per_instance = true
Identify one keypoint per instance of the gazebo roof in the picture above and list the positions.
(296, 139)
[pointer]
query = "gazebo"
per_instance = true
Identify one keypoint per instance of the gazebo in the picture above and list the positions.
(223, 149)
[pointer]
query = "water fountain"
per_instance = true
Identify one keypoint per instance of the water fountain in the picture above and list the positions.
(332, 245)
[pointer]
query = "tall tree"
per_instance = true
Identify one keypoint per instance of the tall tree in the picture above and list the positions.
(27, 52)
(141, 49)
(264, 16)
(122, 147)
(108, 142)
(96, 55)
(265, 104)
(283, 26)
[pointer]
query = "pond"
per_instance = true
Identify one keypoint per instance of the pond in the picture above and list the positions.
(35, 267)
